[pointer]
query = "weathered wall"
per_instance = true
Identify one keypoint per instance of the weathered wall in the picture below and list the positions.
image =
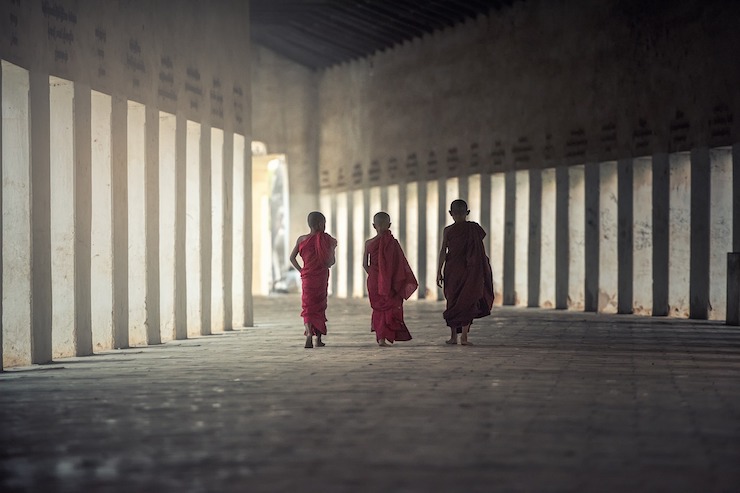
(113, 67)
(285, 118)
(540, 83)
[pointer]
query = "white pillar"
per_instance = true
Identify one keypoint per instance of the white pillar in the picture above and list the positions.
(720, 232)
(642, 256)
(238, 236)
(394, 207)
(576, 237)
(217, 230)
(343, 245)
(192, 228)
(608, 235)
(547, 239)
(16, 210)
(521, 238)
(679, 235)
(474, 200)
(412, 225)
(433, 240)
(102, 244)
(167, 136)
(359, 218)
(325, 200)
(62, 161)
(496, 234)
(137, 224)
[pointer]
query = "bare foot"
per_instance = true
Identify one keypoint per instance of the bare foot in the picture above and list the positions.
(309, 342)
(451, 341)
(319, 343)
(466, 343)
(382, 343)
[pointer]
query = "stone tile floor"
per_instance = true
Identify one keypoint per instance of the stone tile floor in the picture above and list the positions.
(544, 402)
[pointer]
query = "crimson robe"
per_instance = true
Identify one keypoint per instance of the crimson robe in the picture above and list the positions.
(468, 280)
(316, 251)
(389, 282)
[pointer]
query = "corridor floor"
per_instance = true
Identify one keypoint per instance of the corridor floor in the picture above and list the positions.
(544, 401)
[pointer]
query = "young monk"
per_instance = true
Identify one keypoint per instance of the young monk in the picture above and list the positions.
(467, 276)
(389, 282)
(317, 251)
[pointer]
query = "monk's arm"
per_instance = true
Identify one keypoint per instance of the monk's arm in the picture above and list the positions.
(365, 260)
(333, 259)
(293, 256)
(441, 260)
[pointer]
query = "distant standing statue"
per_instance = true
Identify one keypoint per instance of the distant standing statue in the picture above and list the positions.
(317, 251)
(465, 273)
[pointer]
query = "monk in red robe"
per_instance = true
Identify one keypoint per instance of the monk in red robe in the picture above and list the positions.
(389, 282)
(317, 252)
(465, 272)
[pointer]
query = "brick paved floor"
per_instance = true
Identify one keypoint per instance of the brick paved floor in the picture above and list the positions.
(545, 401)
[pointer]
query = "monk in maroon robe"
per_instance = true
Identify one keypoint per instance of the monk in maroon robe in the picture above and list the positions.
(465, 272)
(317, 252)
(390, 281)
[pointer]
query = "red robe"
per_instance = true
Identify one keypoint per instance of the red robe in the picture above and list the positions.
(316, 251)
(468, 280)
(389, 282)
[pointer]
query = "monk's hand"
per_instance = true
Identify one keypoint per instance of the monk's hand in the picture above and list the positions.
(440, 280)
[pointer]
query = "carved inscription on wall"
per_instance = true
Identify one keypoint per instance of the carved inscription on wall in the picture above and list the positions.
(325, 178)
(453, 161)
(60, 29)
(13, 22)
(135, 62)
(548, 150)
(238, 105)
(522, 152)
(576, 144)
(341, 180)
(166, 88)
(641, 136)
(373, 174)
(412, 166)
(357, 174)
(432, 165)
(392, 169)
(217, 99)
(498, 155)
(193, 87)
(474, 158)
(678, 133)
(101, 39)
(720, 125)
(608, 137)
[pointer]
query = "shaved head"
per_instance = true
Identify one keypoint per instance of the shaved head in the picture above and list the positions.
(316, 219)
(382, 219)
(459, 206)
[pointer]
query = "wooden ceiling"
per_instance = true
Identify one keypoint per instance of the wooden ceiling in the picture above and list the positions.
(322, 33)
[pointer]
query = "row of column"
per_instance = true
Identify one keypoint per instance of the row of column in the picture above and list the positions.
(122, 225)
(646, 235)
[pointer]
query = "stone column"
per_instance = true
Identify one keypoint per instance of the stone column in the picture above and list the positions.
(1, 218)
(349, 240)
(423, 248)
(119, 203)
(367, 230)
(661, 207)
(248, 236)
(593, 211)
(334, 229)
(402, 214)
(534, 247)
(562, 254)
(443, 216)
(736, 198)
(733, 288)
(180, 295)
(700, 220)
(83, 218)
(510, 238)
(625, 183)
(205, 228)
(227, 201)
(151, 224)
(576, 232)
(642, 261)
(497, 233)
(548, 233)
(521, 238)
(41, 307)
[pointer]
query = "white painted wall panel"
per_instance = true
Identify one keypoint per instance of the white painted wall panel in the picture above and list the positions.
(167, 126)
(192, 226)
(217, 230)
(343, 245)
(433, 240)
(359, 218)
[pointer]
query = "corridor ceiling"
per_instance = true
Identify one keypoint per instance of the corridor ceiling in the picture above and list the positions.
(322, 33)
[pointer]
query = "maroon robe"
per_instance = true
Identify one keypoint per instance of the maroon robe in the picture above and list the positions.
(389, 282)
(316, 251)
(468, 280)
